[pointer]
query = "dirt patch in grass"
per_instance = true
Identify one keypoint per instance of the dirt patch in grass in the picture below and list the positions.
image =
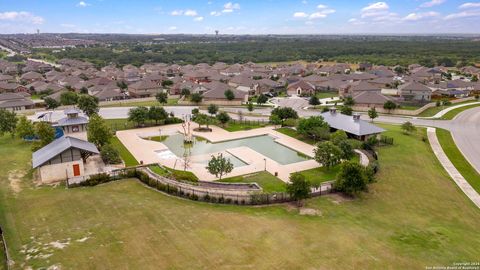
(14, 178)
(309, 212)
(338, 198)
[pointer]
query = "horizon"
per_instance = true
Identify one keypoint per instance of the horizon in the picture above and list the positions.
(243, 17)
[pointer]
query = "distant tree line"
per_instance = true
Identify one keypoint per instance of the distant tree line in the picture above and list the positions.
(425, 51)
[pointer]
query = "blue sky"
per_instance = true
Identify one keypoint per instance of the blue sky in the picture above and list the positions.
(241, 17)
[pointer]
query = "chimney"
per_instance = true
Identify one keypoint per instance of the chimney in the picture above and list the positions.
(356, 116)
(333, 110)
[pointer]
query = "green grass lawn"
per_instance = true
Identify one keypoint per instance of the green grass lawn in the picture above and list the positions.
(451, 114)
(239, 126)
(434, 110)
(321, 95)
(170, 102)
(294, 134)
(126, 156)
(177, 174)
(413, 216)
(158, 138)
(457, 158)
(319, 175)
(266, 180)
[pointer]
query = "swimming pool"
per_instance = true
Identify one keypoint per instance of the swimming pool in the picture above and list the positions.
(264, 145)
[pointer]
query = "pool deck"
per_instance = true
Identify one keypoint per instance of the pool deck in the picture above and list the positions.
(147, 151)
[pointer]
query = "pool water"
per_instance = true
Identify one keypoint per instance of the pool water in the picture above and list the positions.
(264, 145)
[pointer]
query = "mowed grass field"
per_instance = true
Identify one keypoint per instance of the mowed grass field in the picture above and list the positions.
(413, 216)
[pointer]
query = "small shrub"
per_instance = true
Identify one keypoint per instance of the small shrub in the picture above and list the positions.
(206, 198)
(110, 155)
(290, 122)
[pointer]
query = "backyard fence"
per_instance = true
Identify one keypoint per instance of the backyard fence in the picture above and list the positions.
(214, 192)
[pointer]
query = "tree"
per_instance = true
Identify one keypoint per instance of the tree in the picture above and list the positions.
(299, 188)
(328, 154)
(338, 136)
(202, 119)
(313, 127)
(162, 97)
(474, 78)
(98, 132)
(347, 149)
(196, 97)
(138, 115)
(275, 120)
(262, 99)
(314, 101)
(110, 155)
(219, 166)
(352, 178)
(68, 98)
(84, 90)
(349, 101)
(346, 110)
(122, 85)
(24, 127)
(45, 134)
(372, 113)
(250, 107)
(88, 104)
(229, 94)
(195, 111)
(389, 105)
(284, 113)
(408, 127)
(51, 103)
(212, 109)
(167, 83)
(223, 117)
(157, 114)
(8, 122)
(185, 92)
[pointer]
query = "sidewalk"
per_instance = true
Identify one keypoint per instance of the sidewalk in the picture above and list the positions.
(450, 168)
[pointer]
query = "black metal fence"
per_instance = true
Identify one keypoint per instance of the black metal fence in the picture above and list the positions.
(225, 193)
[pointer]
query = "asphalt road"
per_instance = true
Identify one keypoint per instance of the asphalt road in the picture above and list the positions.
(465, 129)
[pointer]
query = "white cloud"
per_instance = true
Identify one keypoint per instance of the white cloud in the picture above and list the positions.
(230, 7)
(198, 19)
(322, 12)
(376, 7)
(470, 5)
(215, 13)
(420, 16)
(176, 13)
(191, 13)
(463, 14)
(21, 16)
(172, 28)
(432, 3)
(300, 15)
(82, 4)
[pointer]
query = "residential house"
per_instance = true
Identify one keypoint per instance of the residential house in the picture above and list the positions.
(301, 88)
(144, 88)
(73, 122)
(216, 94)
(32, 76)
(371, 99)
(16, 101)
(415, 91)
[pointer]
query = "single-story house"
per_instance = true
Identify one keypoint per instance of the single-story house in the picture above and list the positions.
(16, 101)
(63, 158)
(352, 125)
(301, 88)
(371, 99)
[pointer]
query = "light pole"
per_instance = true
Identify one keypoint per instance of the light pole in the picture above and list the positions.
(265, 163)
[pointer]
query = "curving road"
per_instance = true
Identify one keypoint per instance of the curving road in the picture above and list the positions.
(465, 130)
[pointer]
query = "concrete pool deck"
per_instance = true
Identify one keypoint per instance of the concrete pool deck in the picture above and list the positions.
(148, 151)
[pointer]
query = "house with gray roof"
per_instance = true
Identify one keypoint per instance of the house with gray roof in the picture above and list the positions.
(73, 122)
(415, 91)
(352, 125)
(63, 158)
(16, 101)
